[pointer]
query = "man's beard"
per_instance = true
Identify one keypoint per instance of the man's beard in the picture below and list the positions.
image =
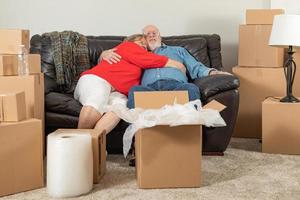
(154, 45)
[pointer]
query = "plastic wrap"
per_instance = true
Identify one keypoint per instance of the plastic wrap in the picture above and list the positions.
(69, 164)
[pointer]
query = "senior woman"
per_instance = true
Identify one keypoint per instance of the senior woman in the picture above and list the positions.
(108, 84)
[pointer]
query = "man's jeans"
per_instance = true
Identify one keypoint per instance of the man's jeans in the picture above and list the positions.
(165, 85)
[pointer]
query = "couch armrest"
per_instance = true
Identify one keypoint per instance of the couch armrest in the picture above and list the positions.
(62, 103)
(50, 85)
(212, 85)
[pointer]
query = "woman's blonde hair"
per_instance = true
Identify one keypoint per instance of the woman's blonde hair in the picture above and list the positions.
(135, 37)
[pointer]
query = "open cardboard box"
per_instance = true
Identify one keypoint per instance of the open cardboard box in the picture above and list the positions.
(168, 157)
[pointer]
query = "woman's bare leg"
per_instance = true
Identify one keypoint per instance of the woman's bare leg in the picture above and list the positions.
(108, 122)
(88, 117)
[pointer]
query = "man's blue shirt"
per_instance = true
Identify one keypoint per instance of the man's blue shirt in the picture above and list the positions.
(196, 69)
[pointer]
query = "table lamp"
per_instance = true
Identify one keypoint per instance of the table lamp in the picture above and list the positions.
(286, 33)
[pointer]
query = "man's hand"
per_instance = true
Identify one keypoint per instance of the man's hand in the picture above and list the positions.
(176, 64)
(215, 72)
(110, 56)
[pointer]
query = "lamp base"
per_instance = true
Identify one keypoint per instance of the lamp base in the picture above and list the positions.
(289, 99)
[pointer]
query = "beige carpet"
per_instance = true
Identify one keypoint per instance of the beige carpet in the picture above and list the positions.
(243, 173)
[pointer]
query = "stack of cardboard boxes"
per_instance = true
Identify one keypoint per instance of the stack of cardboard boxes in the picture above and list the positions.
(21, 117)
(260, 70)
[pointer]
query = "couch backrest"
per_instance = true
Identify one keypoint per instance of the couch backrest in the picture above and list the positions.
(205, 48)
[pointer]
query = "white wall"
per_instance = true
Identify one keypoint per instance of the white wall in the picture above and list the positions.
(123, 17)
(290, 6)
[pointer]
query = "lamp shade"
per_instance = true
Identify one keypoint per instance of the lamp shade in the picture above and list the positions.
(285, 31)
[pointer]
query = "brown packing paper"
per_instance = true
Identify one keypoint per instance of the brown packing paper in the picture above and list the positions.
(99, 150)
(255, 85)
(11, 39)
(280, 126)
(21, 156)
(12, 106)
(9, 64)
(262, 16)
(254, 49)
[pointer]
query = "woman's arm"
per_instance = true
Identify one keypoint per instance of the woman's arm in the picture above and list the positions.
(176, 64)
(110, 56)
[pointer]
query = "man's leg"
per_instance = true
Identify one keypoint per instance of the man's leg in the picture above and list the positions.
(140, 88)
(192, 89)
(88, 117)
(171, 85)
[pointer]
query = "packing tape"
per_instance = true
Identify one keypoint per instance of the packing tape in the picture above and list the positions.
(1, 109)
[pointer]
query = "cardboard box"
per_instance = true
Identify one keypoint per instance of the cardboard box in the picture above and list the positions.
(33, 86)
(280, 126)
(167, 157)
(21, 156)
(99, 149)
(296, 85)
(12, 106)
(9, 64)
(254, 49)
(11, 39)
(255, 85)
(262, 16)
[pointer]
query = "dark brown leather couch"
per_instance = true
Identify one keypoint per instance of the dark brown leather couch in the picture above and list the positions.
(62, 110)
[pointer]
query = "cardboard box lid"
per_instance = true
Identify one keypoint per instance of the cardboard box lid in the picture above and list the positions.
(215, 105)
(276, 101)
(99, 149)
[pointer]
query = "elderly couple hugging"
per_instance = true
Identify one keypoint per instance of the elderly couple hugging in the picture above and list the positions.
(118, 75)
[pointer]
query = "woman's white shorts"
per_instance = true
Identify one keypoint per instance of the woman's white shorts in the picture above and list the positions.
(91, 90)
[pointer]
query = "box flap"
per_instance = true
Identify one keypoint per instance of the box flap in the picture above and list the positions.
(215, 105)
(157, 99)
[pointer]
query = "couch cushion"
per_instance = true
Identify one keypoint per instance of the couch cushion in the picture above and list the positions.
(213, 47)
(97, 44)
(62, 103)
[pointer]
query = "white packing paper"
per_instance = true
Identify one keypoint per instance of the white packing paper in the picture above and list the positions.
(173, 115)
